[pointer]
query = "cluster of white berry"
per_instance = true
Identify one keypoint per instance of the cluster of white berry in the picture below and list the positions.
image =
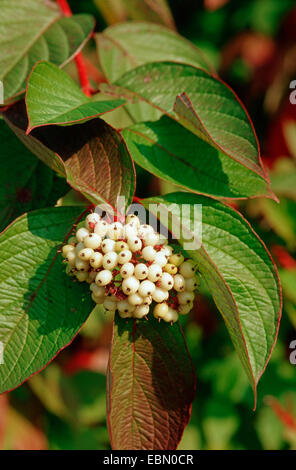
(129, 267)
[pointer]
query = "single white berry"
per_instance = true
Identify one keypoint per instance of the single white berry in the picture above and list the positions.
(110, 260)
(71, 258)
(191, 284)
(187, 269)
(185, 309)
(86, 254)
(97, 299)
(109, 305)
(167, 281)
(185, 297)
(147, 300)
(130, 285)
(141, 271)
(108, 245)
(96, 260)
(154, 272)
(130, 231)
(81, 265)
(171, 316)
(81, 276)
(127, 270)
(93, 240)
(81, 234)
(146, 288)
(171, 269)
(179, 283)
(144, 230)
(120, 246)
(134, 219)
(149, 253)
(160, 295)
(151, 239)
(66, 249)
(91, 220)
(160, 259)
(176, 259)
(125, 314)
(141, 311)
(103, 278)
(167, 251)
(160, 310)
(101, 228)
(125, 307)
(115, 230)
(135, 300)
(97, 290)
(134, 244)
(124, 256)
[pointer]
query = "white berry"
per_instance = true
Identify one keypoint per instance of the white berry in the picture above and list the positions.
(66, 249)
(93, 240)
(160, 295)
(179, 283)
(187, 269)
(125, 307)
(108, 245)
(154, 272)
(171, 316)
(135, 300)
(149, 253)
(96, 260)
(81, 234)
(141, 271)
(110, 260)
(167, 281)
(134, 244)
(160, 310)
(124, 256)
(146, 288)
(185, 309)
(185, 297)
(86, 254)
(141, 311)
(130, 285)
(103, 278)
(127, 270)
(115, 230)
(101, 228)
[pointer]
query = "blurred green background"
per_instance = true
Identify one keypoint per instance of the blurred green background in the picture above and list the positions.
(252, 44)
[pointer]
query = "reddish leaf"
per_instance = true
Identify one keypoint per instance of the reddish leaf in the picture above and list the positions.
(92, 156)
(150, 385)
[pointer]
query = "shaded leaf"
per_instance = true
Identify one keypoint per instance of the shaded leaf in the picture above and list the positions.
(151, 385)
(52, 97)
(224, 123)
(156, 11)
(25, 183)
(33, 30)
(125, 46)
(237, 269)
(41, 309)
(171, 152)
(92, 156)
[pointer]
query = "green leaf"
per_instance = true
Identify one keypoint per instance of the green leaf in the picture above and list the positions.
(52, 97)
(215, 113)
(91, 156)
(171, 152)
(125, 46)
(281, 219)
(25, 183)
(33, 30)
(150, 385)
(237, 269)
(41, 309)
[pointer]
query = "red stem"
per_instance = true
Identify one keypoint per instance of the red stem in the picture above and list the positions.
(83, 78)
